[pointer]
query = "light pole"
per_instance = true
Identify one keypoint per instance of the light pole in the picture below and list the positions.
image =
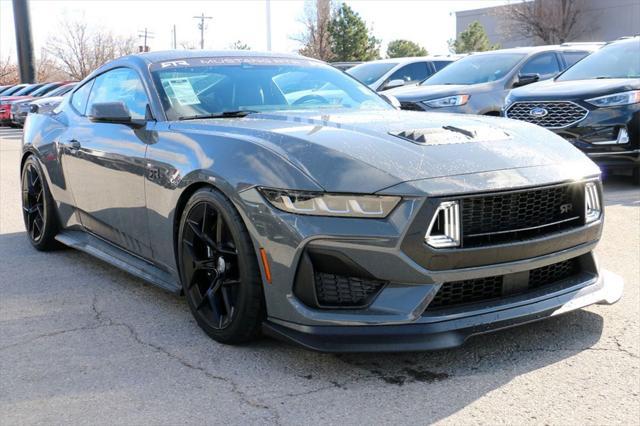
(24, 41)
(268, 25)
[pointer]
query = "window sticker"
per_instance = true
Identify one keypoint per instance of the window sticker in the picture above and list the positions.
(183, 91)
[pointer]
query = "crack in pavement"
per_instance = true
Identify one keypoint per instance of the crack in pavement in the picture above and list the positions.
(235, 388)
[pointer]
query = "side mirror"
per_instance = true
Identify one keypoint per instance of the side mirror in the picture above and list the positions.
(33, 109)
(391, 100)
(524, 79)
(393, 84)
(110, 112)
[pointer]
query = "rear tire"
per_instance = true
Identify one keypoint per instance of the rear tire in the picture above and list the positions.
(38, 209)
(219, 269)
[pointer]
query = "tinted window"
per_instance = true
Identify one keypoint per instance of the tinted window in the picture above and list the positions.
(617, 60)
(440, 64)
(546, 65)
(121, 85)
(28, 89)
(417, 71)
(80, 96)
(572, 57)
(371, 72)
(208, 86)
(12, 90)
(476, 69)
(45, 89)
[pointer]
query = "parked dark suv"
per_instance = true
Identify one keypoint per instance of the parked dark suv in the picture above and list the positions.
(478, 84)
(595, 105)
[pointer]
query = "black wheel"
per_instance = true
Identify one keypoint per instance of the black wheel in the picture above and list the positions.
(37, 207)
(219, 269)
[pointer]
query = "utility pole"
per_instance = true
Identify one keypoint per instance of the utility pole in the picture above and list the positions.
(24, 41)
(144, 35)
(268, 25)
(201, 27)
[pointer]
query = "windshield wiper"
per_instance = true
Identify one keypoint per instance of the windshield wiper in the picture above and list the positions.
(223, 114)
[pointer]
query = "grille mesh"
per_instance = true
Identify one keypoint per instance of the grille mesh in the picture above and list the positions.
(342, 291)
(508, 212)
(559, 114)
(482, 289)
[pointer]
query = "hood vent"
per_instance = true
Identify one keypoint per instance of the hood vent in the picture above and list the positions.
(451, 135)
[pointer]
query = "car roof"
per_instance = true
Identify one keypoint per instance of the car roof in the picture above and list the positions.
(170, 55)
(413, 59)
(535, 49)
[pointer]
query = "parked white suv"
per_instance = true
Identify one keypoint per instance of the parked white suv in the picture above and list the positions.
(387, 74)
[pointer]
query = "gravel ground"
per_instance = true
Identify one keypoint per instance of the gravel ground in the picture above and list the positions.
(84, 343)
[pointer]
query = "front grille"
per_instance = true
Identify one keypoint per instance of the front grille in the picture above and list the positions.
(558, 114)
(512, 216)
(341, 291)
(410, 106)
(457, 293)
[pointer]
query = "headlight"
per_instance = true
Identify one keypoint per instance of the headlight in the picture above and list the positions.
(592, 209)
(449, 101)
(617, 99)
(323, 204)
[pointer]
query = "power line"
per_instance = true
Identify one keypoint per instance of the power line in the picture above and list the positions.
(201, 27)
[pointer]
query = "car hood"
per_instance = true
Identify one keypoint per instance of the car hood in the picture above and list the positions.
(549, 89)
(369, 151)
(425, 92)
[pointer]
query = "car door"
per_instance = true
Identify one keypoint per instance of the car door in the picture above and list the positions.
(104, 163)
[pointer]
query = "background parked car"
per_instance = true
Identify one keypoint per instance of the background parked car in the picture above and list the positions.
(20, 109)
(478, 84)
(595, 105)
(5, 88)
(386, 74)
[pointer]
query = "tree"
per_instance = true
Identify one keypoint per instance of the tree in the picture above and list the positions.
(473, 39)
(316, 40)
(79, 49)
(350, 38)
(8, 71)
(405, 48)
(239, 45)
(547, 21)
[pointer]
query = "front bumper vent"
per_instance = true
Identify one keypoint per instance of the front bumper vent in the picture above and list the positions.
(458, 293)
(342, 291)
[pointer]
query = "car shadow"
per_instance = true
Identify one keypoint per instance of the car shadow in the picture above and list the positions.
(270, 372)
(620, 191)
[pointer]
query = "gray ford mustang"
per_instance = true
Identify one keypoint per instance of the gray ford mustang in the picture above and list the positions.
(282, 196)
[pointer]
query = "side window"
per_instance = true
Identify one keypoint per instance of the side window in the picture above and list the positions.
(80, 96)
(440, 64)
(417, 71)
(545, 64)
(123, 85)
(572, 57)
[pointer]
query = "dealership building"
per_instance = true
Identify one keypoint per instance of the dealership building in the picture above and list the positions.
(603, 21)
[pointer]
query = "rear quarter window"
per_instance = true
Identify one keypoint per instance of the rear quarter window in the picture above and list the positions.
(572, 57)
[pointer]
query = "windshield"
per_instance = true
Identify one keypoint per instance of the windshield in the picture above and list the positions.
(207, 86)
(476, 69)
(370, 72)
(617, 60)
(44, 89)
(12, 90)
(28, 89)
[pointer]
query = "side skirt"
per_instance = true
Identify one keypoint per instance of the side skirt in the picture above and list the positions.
(119, 258)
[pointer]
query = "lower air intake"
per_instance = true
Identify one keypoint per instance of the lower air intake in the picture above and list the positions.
(341, 291)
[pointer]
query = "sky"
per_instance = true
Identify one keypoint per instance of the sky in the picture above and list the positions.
(428, 22)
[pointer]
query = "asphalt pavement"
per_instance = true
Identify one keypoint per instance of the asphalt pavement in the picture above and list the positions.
(83, 343)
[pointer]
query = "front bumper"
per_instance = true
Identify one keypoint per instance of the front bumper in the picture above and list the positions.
(607, 288)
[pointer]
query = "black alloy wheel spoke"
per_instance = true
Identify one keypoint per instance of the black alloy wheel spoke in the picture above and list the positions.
(210, 264)
(33, 203)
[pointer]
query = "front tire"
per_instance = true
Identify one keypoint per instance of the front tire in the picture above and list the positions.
(38, 210)
(219, 270)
